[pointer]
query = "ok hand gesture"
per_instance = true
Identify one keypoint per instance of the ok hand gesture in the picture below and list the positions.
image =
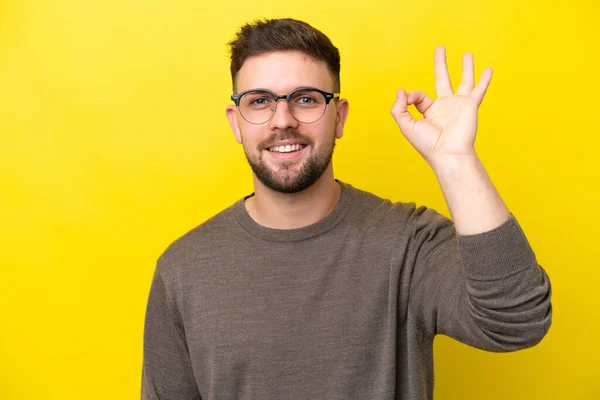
(449, 126)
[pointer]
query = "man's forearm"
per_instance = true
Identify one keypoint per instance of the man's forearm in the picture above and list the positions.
(474, 203)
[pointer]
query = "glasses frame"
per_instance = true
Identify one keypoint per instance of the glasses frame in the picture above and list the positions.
(327, 95)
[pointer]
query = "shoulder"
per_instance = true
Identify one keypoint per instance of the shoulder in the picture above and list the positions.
(198, 243)
(370, 208)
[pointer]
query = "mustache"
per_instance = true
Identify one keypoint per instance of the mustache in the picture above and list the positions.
(288, 134)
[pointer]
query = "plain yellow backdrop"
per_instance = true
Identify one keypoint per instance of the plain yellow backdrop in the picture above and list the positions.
(114, 142)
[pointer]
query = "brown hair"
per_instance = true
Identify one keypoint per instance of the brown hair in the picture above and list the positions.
(279, 35)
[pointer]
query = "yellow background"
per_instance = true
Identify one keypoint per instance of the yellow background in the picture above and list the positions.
(114, 141)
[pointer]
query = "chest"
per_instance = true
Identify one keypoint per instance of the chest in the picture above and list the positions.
(286, 314)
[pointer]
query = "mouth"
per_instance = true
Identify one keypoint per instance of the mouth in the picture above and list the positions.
(288, 148)
(287, 151)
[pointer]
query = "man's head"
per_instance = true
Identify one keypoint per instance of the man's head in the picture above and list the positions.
(288, 142)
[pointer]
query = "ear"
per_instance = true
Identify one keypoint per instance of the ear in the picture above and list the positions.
(341, 115)
(231, 112)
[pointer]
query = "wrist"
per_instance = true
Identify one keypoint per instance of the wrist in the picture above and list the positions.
(457, 166)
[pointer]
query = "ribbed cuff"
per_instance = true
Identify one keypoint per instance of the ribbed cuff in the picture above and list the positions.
(498, 253)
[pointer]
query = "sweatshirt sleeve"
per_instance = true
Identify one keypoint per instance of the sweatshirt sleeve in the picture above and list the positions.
(486, 290)
(166, 371)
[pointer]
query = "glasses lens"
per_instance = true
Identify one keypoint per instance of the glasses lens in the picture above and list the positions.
(257, 107)
(307, 106)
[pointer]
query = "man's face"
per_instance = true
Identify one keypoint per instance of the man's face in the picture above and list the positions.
(275, 166)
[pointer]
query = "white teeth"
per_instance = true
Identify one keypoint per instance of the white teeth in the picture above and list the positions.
(287, 148)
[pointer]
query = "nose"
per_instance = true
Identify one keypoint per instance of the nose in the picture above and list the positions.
(283, 118)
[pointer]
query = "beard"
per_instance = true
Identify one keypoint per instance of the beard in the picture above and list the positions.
(286, 180)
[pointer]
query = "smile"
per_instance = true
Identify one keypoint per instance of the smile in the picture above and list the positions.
(288, 148)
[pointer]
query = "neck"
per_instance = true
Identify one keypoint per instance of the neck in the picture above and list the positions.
(294, 210)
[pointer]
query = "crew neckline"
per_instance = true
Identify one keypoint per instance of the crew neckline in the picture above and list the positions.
(291, 235)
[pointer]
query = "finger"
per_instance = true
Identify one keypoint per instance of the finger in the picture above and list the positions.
(401, 114)
(484, 82)
(443, 85)
(420, 99)
(468, 75)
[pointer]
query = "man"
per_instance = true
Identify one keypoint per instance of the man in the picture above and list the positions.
(310, 288)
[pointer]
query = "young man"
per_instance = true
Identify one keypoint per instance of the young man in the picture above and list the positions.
(310, 288)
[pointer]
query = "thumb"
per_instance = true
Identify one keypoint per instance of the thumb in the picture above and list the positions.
(401, 114)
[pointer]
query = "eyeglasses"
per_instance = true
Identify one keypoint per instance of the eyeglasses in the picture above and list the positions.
(307, 105)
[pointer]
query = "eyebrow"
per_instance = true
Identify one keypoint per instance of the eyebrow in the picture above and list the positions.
(276, 92)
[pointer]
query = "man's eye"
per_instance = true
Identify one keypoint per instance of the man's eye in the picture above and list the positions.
(259, 101)
(305, 100)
